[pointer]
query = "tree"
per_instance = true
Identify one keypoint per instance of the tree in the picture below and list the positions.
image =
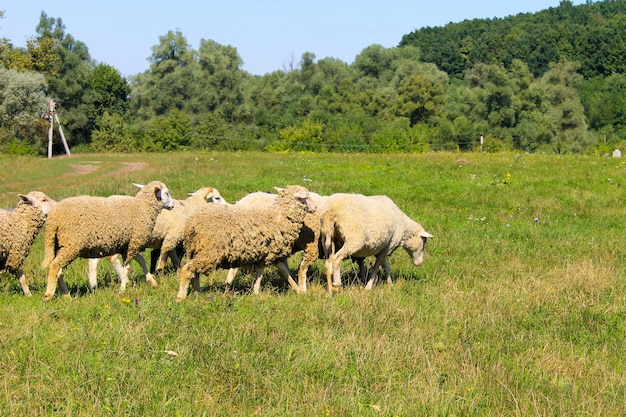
(565, 107)
(22, 101)
(222, 78)
(111, 88)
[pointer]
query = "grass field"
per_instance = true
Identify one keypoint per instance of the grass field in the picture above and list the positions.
(518, 310)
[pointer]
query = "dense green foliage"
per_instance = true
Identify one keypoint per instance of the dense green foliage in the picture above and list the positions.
(551, 81)
(518, 309)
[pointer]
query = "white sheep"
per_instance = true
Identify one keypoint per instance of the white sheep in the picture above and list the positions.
(18, 229)
(308, 241)
(95, 227)
(220, 236)
(167, 235)
(360, 226)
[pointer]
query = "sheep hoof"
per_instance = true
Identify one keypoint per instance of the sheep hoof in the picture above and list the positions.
(154, 284)
(47, 297)
(178, 300)
(67, 296)
(335, 288)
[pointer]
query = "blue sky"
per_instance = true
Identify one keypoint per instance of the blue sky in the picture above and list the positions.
(268, 34)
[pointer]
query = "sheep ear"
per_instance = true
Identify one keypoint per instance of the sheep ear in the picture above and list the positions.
(26, 199)
(425, 234)
(279, 189)
(140, 186)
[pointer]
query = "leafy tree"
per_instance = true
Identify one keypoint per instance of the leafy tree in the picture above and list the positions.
(112, 134)
(222, 78)
(111, 88)
(66, 64)
(565, 107)
(22, 101)
(169, 132)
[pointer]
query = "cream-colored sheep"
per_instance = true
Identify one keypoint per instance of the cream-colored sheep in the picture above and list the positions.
(360, 226)
(167, 235)
(220, 236)
(18, 229)
(308, 241)
(95, 227)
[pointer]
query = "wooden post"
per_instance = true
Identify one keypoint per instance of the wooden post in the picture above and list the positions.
(50, 139)
(51, 114)
(67, 149)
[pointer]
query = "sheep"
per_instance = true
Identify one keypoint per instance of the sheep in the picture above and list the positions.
(361, 226)
(95, 227)
(166, 236)
(308, 241)
(220, 236)
(18, 229)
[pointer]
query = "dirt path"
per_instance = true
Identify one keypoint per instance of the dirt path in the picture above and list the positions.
(84, 169)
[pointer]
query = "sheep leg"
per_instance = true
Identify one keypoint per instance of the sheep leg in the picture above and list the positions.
(302, 271)
(373, 275)
(62, 286)
(53, 273)
(162, 261)
(387, 270)
(185, 277)
(195, 283)
(92, 272)
(175, 258)
(123, 273)
(232, 272)
(259, 276)
(284, 270)
(22, 280)
(149, 277)
(333, 270)
(154, 254)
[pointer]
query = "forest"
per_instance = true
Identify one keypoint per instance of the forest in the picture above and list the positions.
(552, 82)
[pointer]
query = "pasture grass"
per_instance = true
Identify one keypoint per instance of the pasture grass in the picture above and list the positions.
(519, 308)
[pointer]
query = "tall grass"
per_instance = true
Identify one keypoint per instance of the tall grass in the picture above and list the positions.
(519, 308)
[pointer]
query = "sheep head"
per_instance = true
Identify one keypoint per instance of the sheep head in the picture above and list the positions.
(416, 244)
(161, 192)
(39, 200)
(301, 194)
(210, 195)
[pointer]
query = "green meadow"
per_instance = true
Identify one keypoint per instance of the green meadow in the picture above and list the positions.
(518, 310)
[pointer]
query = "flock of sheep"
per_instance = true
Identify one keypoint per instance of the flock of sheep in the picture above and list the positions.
(260, 230)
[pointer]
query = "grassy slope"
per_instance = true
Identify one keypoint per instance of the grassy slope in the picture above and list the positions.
(518, 309)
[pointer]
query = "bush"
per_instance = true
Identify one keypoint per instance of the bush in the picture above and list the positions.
(20, 147)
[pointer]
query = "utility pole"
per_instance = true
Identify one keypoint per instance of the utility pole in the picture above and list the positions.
(51, 115)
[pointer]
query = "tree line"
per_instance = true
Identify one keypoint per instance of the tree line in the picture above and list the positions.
(552, 82)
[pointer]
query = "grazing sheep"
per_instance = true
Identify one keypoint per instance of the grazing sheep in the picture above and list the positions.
(308, 241)
(220, 236)
(361, 226)
(18, 229)
(95, 227)
(167, 235)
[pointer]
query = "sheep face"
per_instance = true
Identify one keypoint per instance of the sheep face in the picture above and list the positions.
(211, 195)
(163, 195)
(415, 246)
(161, 192)
(39, 200)
(301, 194)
